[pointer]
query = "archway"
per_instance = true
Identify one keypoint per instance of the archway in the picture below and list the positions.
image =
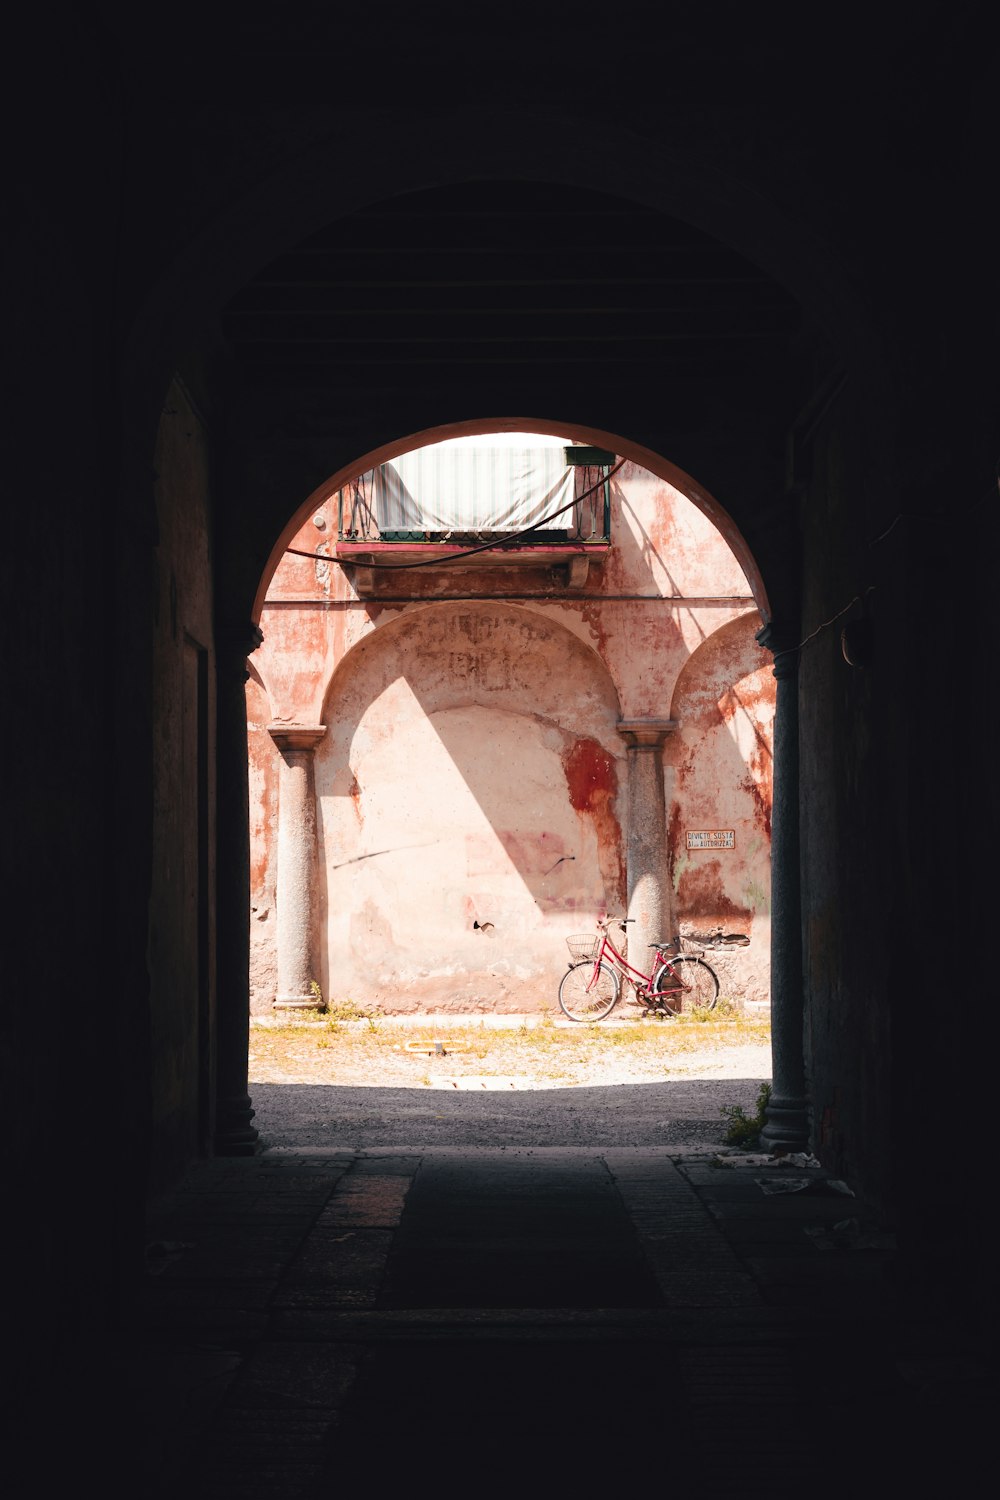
(277, 439)
(501, 687)
(125, 263)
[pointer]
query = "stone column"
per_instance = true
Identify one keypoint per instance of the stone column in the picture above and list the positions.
(646, 863)
(787, 1127)
(233, 1134)
(296, 900)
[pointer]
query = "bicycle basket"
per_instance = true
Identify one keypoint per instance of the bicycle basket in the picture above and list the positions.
(584, 946)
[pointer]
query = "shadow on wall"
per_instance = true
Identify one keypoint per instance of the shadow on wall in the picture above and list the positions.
(473, 795)
(472, 784)
(469, 796)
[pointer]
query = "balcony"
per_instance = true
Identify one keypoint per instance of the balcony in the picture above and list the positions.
(456, 504)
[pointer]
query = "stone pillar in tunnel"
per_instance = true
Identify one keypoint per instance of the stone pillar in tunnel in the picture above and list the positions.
(787, 1127)
(234, 1134)
(647, 864)
(297, 863)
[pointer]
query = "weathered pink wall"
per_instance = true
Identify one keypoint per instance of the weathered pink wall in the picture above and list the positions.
(447, 785)
(718, 770)
(472, 771)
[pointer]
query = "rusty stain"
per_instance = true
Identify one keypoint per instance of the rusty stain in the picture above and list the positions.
(593, 617)
(592, 781)
(762, 804)
(684, 774)
(590, 774)
(354, 792)
(259, 867)
(378, 671)
(674, 840)
(661, 523)
(700, 894)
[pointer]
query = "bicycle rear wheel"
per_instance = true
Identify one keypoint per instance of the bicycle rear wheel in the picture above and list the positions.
(586, 995)
(699, 985)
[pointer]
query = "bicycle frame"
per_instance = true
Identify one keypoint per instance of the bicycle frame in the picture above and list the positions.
(591, 986)
(644, 990)
(624, 966)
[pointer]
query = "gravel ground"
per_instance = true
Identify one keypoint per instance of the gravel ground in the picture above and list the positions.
(439, 1082)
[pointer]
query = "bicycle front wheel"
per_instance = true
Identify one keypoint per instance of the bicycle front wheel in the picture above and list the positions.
(687, 984)
(588, 993)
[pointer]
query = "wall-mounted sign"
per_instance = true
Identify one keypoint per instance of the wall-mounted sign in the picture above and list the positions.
(712, 838)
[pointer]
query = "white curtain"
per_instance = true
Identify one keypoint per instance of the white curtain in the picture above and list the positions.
(472, 489)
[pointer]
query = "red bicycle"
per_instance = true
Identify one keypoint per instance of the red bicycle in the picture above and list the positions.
(592, 985)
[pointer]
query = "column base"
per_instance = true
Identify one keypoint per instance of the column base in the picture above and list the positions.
(297, 1002)
(787, 1127)
(234, 1135)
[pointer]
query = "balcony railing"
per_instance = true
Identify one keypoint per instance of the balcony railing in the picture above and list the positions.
(488, 500)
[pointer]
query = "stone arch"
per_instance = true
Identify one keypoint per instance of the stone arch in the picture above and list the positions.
(645, 458)
(459, 883)
(492, 695)
(213, 264)
(381, 158)
(383, 155)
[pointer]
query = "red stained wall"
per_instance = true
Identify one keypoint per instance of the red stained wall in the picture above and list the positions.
(472, 783)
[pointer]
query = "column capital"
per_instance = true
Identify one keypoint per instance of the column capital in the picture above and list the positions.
(234, 644)
(646, 734)
(238, 638)
(296, 736)
(782, 640)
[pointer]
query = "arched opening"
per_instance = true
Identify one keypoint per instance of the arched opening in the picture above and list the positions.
(710, 379)
(641, 458)
(473, 730)
(157, 184)
(709, 375)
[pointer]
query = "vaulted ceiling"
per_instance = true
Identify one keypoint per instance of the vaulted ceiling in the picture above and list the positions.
(530, 298)
(439, 284)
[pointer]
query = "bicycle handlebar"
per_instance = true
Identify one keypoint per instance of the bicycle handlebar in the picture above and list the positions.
(716, 939)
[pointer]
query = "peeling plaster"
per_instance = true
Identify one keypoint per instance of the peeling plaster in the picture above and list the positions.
(472, 769)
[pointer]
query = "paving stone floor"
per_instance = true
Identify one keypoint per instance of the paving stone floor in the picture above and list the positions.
(320, 1319)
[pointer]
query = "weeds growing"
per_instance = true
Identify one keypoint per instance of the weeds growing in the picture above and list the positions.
(743, 1129)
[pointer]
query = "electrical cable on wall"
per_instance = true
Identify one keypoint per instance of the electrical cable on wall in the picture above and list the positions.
(858, 599)
(855, 653)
